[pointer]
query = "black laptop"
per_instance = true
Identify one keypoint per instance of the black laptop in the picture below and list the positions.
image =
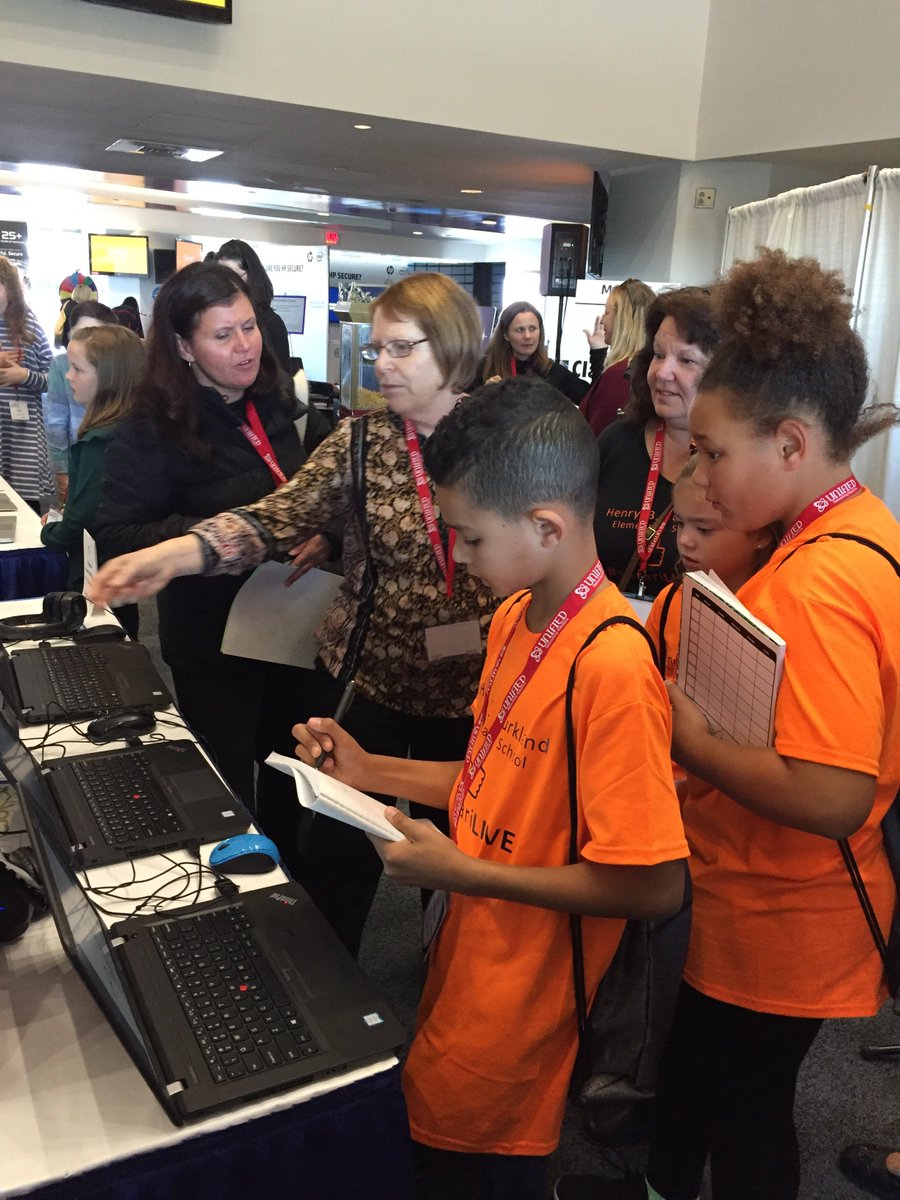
(119, 803)
(218, 1004)
(50, 682)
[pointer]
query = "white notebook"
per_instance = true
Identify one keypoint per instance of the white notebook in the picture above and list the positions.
(323, 794)
(729, 662)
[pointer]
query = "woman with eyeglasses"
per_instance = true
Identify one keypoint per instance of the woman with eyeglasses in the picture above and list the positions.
(212, 425)
(405, 625)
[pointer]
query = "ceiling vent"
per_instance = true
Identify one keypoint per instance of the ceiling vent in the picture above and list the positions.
(163, 150)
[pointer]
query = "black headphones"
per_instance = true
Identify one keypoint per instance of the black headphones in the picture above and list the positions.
(21, 893)
(61, 614)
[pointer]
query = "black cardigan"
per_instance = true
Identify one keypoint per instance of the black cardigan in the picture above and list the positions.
(154, 491)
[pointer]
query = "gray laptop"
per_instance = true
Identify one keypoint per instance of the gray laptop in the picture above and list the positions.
(218, 1003)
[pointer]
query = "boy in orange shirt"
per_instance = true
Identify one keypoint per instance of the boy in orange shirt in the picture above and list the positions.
(486, 1078)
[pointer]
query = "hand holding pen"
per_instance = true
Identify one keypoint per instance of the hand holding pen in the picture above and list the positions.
(339, 713)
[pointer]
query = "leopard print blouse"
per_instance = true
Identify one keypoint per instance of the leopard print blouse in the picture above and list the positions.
(410, 594)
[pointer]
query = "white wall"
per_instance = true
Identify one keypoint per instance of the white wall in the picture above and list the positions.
(568, 73)
(782, 74)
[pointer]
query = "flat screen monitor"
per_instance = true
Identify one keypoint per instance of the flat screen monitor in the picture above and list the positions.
(187, 252)
(118, 254)
(599, 209)
(216, 11)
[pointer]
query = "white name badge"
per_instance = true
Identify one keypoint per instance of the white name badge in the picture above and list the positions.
(453, 641)
(18, 410)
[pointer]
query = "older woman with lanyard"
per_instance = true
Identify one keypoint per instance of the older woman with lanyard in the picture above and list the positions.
(407, 630)
(642, 453)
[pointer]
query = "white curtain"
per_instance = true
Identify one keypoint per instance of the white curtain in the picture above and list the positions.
(824, 221)
(878, 462)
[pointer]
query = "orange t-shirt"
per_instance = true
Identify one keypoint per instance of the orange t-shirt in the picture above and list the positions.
(496, 1039)
(777, 924)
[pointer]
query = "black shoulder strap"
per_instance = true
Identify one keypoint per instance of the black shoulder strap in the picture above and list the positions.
(889, 826)
(571, 766)
(845, 537)
(663, 618)
(359, 449)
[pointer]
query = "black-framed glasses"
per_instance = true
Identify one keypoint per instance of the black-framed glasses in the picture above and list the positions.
(399, 348)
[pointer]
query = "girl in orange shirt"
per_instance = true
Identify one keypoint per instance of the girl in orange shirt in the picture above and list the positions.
(705, 543)
(779, 940)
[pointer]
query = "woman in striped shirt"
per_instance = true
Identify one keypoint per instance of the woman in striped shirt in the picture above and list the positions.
(24, 365)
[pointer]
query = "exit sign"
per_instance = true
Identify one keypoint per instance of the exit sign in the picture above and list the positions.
(332, 237)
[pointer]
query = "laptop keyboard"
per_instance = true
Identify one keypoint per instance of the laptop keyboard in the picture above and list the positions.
(79, 679)
(242, 1018)
(126, 803)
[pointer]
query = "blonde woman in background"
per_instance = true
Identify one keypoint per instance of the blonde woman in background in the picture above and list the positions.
(617, 336)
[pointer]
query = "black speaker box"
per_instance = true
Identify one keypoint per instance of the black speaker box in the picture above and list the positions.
(563, 258)
(163, 265)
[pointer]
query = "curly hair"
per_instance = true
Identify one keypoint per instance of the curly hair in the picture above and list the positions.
(788, 351)
(16, 309)
(691, 310)
(167, 393)
(499, 354)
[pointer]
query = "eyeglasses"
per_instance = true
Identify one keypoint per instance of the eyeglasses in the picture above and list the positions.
(396, 349)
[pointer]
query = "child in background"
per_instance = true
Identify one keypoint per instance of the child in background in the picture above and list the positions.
(704, 544)
(62, 414)
(105, 363)
(515, 467)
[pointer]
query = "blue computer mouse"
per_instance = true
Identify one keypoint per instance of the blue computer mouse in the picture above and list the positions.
(245, 854)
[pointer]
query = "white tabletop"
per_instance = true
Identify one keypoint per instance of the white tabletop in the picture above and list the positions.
(28, 523)
(71, 1098)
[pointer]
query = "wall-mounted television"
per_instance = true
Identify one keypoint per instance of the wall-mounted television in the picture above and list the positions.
(217, 11)
(118, 254)
(187, 252)
(599, 209)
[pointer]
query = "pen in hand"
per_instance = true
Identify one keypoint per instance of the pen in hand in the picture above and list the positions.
(339, 713)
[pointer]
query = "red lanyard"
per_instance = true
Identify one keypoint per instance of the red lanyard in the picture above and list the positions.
(259, 440)
(645, 549)
(444, 561)
(843, 491)
(574, 603)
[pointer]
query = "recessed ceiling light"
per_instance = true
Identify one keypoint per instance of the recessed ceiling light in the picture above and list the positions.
(470, 191)
(362, 126)
(488, 221)
(417, 233)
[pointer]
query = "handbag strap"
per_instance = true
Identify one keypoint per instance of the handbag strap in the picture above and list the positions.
(628, 574)
(359, 449)
(571, 770)
(847, 854)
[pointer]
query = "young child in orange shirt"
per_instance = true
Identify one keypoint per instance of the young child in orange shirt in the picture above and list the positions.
(705, 543)
(515, 468)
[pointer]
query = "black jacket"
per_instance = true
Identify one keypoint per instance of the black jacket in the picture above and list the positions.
(154, 491)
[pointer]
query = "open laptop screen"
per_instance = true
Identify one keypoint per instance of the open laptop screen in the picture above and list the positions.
(81, 931)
